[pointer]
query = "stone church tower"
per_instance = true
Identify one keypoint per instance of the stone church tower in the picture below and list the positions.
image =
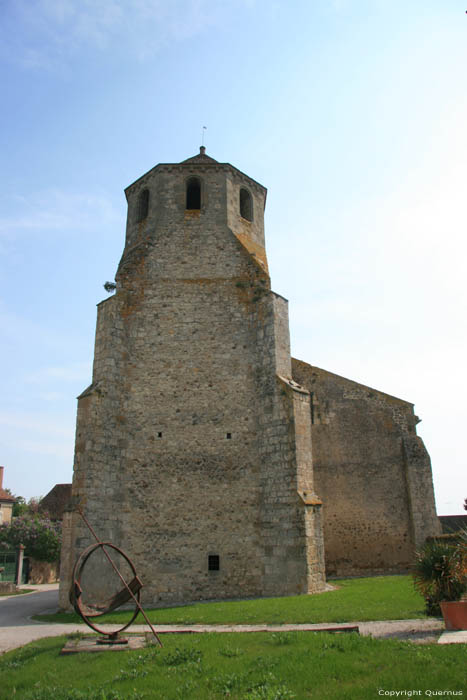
(193, 442)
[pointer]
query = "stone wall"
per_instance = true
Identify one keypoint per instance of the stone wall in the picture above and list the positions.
(6, 510)
(42, 571)
(372, 472)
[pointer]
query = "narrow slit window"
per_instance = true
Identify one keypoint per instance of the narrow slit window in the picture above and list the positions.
(193, 193)
(213, 562)
(143, 205)
(246, 205)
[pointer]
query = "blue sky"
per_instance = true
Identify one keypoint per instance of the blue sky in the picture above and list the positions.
(352, 113)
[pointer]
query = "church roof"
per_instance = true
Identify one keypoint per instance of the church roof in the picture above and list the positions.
(200, 157)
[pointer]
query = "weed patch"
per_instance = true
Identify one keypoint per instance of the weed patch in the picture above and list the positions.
(182, 656)
(282, 638)
(270, 692)
(229, 683)
(230, 652)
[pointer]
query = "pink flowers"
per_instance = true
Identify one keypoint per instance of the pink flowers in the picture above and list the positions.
(40, 536)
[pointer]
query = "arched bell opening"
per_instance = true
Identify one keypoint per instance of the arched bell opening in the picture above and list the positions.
(193, 193)
(246, 205)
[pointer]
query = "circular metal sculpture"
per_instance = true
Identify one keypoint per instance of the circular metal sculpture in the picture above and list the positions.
(130, 590)
(89, 611)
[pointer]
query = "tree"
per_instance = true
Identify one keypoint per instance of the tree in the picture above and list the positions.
(21, 507)
(40, 536)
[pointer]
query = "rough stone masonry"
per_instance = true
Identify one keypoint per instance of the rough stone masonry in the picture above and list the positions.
(202, 449)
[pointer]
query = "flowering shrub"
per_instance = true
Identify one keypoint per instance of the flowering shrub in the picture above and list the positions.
(40, 537)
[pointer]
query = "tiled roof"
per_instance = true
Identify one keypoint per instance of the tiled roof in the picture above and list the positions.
(200, 157)
(55, 502)
(5, 496)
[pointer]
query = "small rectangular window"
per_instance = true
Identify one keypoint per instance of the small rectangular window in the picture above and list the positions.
(228, 436)
(213, 562)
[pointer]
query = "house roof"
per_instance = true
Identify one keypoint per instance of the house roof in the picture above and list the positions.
(55, 502)
(5, 496)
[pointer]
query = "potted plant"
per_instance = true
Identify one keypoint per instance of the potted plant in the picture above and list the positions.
(440, 575)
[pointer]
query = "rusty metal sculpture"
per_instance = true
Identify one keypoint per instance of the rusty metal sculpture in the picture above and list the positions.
(131, 591)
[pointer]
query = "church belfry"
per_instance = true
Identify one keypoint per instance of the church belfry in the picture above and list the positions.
(193, 442)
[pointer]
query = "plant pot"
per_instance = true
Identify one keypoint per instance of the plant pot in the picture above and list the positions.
(455, 614)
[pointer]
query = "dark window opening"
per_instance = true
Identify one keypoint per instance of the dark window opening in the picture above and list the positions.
(143, 205)
(246, 205)
(159, 434)
(213, 562)
(193, 193)
(229, 436)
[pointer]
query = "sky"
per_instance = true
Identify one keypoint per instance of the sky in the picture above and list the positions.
(352, 113)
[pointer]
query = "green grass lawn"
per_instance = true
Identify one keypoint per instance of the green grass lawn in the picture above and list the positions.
(361, 599)
(255, 666)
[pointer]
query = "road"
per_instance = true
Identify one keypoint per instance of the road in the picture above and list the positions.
(16, 627)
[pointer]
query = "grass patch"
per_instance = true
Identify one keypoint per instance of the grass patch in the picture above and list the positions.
(20, 592)
(361, 599)
(255, 666)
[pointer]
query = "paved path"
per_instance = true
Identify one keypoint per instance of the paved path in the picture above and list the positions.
(17, 629)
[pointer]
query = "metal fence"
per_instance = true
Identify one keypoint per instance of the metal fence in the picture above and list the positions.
(8, 565)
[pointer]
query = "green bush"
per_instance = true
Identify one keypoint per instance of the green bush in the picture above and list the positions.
(40, 537)
(439, 573)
